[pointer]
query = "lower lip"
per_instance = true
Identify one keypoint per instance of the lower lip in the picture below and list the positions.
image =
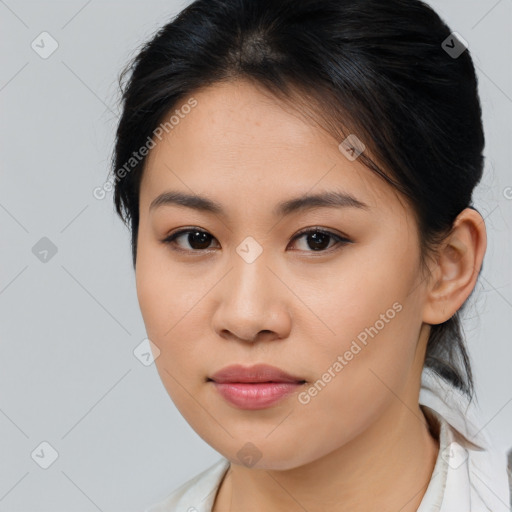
(255, 395)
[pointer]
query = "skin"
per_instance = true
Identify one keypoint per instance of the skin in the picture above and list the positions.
(363, 441)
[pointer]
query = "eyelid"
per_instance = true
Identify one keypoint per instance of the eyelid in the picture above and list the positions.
(169, 240)
(339, 238)
(325, 231)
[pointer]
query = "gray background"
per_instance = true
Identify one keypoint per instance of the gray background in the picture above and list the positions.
(69, 326)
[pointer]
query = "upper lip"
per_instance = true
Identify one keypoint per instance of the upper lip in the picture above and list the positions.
(256, 373)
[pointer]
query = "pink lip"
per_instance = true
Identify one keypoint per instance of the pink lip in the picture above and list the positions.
(254, 387)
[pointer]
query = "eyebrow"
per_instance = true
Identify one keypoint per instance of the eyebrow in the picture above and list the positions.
(306, 202)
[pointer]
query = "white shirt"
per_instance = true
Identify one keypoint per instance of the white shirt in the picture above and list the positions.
(470, 473)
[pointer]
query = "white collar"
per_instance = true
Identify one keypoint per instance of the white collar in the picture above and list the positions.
(475, 475)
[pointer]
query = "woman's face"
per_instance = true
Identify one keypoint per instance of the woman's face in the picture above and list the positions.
(345, 317)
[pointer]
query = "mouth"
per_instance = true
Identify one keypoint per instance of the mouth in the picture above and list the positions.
(255, 387)
(256, 374)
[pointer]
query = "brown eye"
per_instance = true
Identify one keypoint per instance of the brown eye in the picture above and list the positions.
(318, 240)
(197, 239)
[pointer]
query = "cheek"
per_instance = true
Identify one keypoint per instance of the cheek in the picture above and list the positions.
(370, 345)
(372, 355)
(162, 306)
(151, 302)
(169, 302)
(366, 295)
(357, 378)
(161, 290)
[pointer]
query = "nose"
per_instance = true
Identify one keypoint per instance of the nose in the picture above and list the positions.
(252, 303)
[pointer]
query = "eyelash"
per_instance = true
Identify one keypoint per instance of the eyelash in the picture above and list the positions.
(340, 240)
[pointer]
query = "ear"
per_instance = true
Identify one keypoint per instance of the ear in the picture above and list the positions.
(455, 272)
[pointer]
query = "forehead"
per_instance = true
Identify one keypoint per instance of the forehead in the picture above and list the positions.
(239, 143)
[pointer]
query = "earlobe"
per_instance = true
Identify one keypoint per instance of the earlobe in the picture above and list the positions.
(456, 271)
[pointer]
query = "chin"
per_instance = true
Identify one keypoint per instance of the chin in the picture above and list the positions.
(266, 455)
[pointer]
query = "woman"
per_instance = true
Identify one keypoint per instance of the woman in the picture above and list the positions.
(297, 176)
